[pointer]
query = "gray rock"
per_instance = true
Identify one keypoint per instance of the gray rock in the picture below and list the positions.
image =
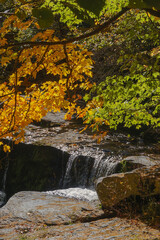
(143, 182)
(40, 207)
(52, 120)
(31, 215)
(132, 162)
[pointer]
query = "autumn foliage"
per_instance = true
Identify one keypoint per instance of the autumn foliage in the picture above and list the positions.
(23, 98)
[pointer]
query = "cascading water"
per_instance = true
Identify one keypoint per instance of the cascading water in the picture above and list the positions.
(67, 177)
(85, 165)
(81, 173)
(60, 157)
(77, 171)
(3, 184)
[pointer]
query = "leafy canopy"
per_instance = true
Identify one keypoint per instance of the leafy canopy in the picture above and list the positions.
(46, 68)
(131, 95)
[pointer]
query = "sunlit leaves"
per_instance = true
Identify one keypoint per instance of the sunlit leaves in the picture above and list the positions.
(24, 100)
(25, 97)
(6, 148)
(132, 96)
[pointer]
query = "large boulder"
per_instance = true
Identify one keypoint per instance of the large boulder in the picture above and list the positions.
(132, 162)
(52, 120)
(143, 182)
(40, 207)
(35, 215)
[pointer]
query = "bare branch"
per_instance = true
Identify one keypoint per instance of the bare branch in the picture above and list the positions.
(153, 12)
(6, 13)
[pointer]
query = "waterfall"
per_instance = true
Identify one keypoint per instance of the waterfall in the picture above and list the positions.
(67, 176)
(3, 184)
(80, 175)
(82, 171)
(78, 170)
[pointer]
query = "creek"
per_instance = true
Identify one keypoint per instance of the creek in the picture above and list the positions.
(57, 159)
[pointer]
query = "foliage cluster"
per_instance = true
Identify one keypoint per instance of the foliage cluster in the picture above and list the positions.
(39, 37)
(131, 96)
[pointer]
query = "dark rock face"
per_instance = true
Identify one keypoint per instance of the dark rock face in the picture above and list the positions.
(2, 198)
(42, 168)
(143, 182)
(34, 167)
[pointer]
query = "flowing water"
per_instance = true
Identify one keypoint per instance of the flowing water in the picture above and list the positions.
(81, 173)
(83, 170)
(83, 194)
(3, 185)
(87, 160)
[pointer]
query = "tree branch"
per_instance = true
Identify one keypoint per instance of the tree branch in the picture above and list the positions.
(71, 40)
(6, 13)
(153, 12)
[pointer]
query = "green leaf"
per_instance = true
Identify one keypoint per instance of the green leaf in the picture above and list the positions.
(94, 6)
(79, 13)
(44, 16)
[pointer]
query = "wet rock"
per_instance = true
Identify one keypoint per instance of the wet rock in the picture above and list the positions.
(35, 168)
(55, 131)
(2, 198)
(132, 162)
(52, 120)
(38, 207)
(112, 228)
(35, 215)
(143, 182)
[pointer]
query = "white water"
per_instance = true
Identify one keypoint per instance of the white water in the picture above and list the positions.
(67, 176)
(77, 193)
(2, 191)
(81, 177)
(2, 198)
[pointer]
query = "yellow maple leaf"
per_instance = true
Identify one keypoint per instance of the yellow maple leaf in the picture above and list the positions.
(6, 148)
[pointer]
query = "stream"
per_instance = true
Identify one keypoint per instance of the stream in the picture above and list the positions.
(57, 159)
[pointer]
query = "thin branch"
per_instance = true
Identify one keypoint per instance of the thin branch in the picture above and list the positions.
(16, 91)
(6, 13)
(7, 94)
(29, 105)
(71, 40)
(41, 61)
(154, 25)
(153, 12)
(69, 68)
